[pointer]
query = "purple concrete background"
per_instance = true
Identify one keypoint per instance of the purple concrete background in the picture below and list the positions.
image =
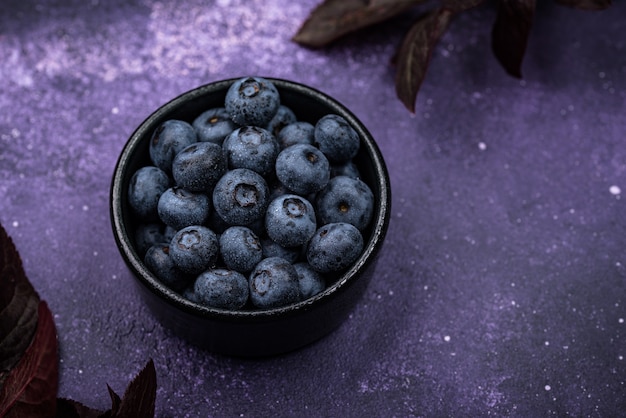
(502, 286)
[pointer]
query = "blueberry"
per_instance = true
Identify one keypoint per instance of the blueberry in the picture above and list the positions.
(348, 168)
(198, 166)
(258, 226)
(161, 264)
(310, 281)
(334, 247)
(194, 249)
(278, 189)
(144, 190)
(336, 138)
(179, 208)
(283, 117)
(272, 249)
(274, 283)
(168, 140)
(345, 199)
(148, 234)
(303, 169)
(241, 196)
(213, 125)
(252, 148)
(168, 233)
(190, 294)
(216, 223)
(299, 132)
(290, 220)
(221, 288)
(240, 248)
(252, 101)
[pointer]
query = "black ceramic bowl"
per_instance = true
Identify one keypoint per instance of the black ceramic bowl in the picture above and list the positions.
(251, 332)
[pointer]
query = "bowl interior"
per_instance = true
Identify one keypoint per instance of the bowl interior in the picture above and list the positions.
(309, 105)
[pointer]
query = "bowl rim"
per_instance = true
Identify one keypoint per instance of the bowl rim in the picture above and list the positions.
(372, 245)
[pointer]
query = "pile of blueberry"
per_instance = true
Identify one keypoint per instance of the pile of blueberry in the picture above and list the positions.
(248, 207)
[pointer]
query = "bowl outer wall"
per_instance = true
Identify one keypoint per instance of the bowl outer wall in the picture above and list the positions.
(258, 332)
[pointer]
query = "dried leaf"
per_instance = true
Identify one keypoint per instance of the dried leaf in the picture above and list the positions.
(335, 18)
(140, 396)
(18, 307)
(510, 33)
(586, 4)
(30, 390)
(415, 53)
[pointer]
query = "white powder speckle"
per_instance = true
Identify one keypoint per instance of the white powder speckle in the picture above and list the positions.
(621, 320)
(446, 338)
(547, 387)
(482, 146)
(15, 224)
(85, 208)
(615, 190)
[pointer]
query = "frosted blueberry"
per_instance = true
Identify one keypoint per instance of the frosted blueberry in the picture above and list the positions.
(290, 220)
(179, 208)
(159, 262)
(283, 117)
(336, 138)
(241, 196)
(213, 125)
(348, 168)
(345, 199)
(272, 249)
(252, 101)
(252, 148)
(147, 235)
(274, 283)
(221, 288)
(194, 249)
(303, 169)
(198, 166)
(334, 247)
(144, 190)
(240, 248)
(299, 132)
(311, 282)
(168, 140)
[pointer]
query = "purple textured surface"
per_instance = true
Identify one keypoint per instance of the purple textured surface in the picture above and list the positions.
(501, 289)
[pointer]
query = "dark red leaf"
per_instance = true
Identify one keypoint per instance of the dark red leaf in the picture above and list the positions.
(30, 389)
(115, 401)
(335, 18)
(457, 6)
(138, 401)
(586, 4)
(510, 33)
(18, 307)
(415, 53)
(67, 408)
(140, 396)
